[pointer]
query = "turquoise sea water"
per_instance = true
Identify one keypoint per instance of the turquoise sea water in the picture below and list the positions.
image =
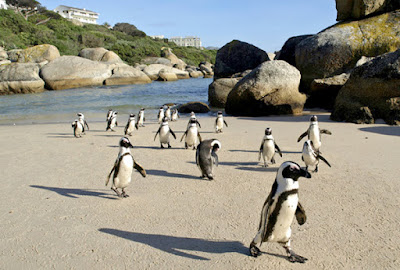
(94, 102)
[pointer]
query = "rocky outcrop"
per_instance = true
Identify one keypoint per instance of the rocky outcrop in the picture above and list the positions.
(36, 54)
(271, 88)
(372, 91)
(175, 61)
(237, 56)
(156, 60)
(219, 90)
(288, 50)
(167, 76)
(73, 71)
(3, 54)
(20, 78)
(153, 71)
(194, 106)
(100, 54)
(338, 48)
(358, 9)
(125, 74)
(207, 69)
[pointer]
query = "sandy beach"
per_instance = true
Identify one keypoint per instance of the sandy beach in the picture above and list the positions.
(56, 212)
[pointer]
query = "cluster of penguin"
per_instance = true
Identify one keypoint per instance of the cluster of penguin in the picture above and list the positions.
(282, 204)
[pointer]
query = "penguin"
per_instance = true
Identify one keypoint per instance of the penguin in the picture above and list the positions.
(175, 115)
(141, 118)
(131, 125)
(112, 122)
(219, 122)
(279, 209)
(168, 112)
(164, 132)
(78, 128)
(160, 115)
(311, 157)
(206, 157)
(123, 167)
(109, 114)
(192, 134)
(193, 116)
(81, 119)
(314, 133)
(268, 148)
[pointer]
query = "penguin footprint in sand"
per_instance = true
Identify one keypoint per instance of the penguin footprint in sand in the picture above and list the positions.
(312, 157)
(123, 168)
(279, 209)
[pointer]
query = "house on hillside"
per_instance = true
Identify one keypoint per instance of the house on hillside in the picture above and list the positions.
(82, 15)
(186, 41)
(3, 4)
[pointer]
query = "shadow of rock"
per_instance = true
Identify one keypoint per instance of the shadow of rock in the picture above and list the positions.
(384, 130)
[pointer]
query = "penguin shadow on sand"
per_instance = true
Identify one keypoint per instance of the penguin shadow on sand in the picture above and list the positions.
(173, 175)
(245, 166)
(177, 245)
(75, 193)
(61, 135)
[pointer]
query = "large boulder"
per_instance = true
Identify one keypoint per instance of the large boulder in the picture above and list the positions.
(357, 9)
(237, 56)
(207, 69)
(100, 54)
(73, 71)
(372, 91)
(20, 78)
(153, 71)
(219, 90)
(111, 57)
(167, 76)
(3, 54)
(125, 74)
(37, 54)
(271, 88)
(13, 54)
(338, 48)
(156, 60)
(175, 61)
(194, 106)
(288, 50)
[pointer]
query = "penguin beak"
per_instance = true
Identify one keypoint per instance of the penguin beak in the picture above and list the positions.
(304, 173)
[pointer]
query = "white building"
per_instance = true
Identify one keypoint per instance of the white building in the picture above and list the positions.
(3, 4)
(186, 41)
(82, 15)
(157, 37)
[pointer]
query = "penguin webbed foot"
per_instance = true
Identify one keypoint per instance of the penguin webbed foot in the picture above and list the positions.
(169, 146)
(316, 169)
(293, 257)
(254, 251)
(119, 194)
(124, 195)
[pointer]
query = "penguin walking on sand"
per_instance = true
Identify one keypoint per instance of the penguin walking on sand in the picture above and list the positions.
(219, 122)
(168, 113)
(268, 148)
(123, 168)
(279, 210)
(206, 157)
(175, 115)
(78, 128)
(109, 114)
(141, 118)
(312, 157)
(192, 135)
(112, 122)
(164, 131)
(314, 133)
(160, 115)
(81, 119)
(193, 116)
(131, 125)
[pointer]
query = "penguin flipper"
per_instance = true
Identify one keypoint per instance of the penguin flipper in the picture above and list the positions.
(126, 128)
(302, 136)
(300, 214)
(279, 150)
(173, 134)
(325, 131)
(226, 124)
(87, 125)
(324, 160)
(136, 126)
(198, 123)
(184, 134)
(215, 158)
(158, 131)
(198, 135)
(261, 149)
(112, 170)
(139, 168)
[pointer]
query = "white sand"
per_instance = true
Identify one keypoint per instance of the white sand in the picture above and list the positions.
(57, 213)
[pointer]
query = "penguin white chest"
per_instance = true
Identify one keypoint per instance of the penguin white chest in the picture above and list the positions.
(315, 136)
(113, 122)
(309, 158)
(220, 123)
(282, 231)
(131, 126)
(164, 134)
(124, 176)
(191, 137)
(269, 149)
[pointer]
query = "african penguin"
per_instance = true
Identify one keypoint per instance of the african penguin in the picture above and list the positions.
(279, 209)
(168, 112)
(268, 148)
(131, 125)
(312, 157)
(141, 118)
(175, 115)
(81, 119)
(193, 116)
(219, 122)
(112, 122)
(123, 167)
(160, 114)
(78, 128)
(206, 157)
(192, 135)
(314, 133)
(164, 131)
(109, 114)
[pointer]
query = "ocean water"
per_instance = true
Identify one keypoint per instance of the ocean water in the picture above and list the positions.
(94, 102)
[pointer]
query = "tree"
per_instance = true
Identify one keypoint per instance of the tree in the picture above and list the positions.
(129, 29)
(25, 7)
